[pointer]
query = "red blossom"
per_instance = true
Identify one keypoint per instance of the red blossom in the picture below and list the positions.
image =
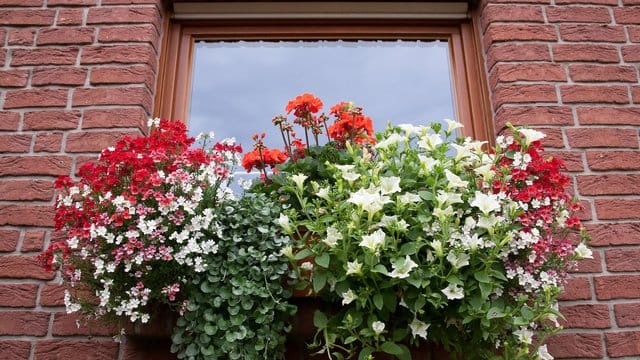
(303, 105)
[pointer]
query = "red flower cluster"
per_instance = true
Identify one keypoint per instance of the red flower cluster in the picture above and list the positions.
(304, 104)
(351, 125)
(261, 158)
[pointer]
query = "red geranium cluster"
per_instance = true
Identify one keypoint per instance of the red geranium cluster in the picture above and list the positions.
(262, 157)
(351, 125)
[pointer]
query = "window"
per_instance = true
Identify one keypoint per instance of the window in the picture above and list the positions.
(256, 29)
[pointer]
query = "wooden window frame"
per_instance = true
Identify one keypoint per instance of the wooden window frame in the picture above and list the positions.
(469, 82)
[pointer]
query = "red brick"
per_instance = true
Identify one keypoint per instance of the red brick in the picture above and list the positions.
(572, 159)
(121, 117)
(631, 53)
(51, 120)
(94, 141)
(534, 115)
(585, 213)
(134, 33)
(26, 190)
(48, 142)
(71, 2)
(609, 115)
(61, 36)
(614, 234)
(627, 314)
(594, 93)
(589, 265)
(631, 2)
(634, 33)
(59, 76)
(586, 316)
(124, 15)
(119, 54)
(15, 349)
(22, 37)
(25, 3)
(9, 120)
(617, 287)
(517, 52)
(595, 33)
(113, 96)
(15, 143)
(523, 94)
(9, 240)
(26, 17)
(624, 343)
(578, 14)
(18, 295)
(602, 73)
(34, 240)
(128, 2)
(35, 165)
(576, 345)
(519, 32)
(69, 17)
(594, 2)
(553, 138)
(27, 215)
(602, 137)
(44, 56)
(139, 74)
(35, 98)
(613, 209)
(13, 78)
(67, 325)
(576, 288)
(613, 160)
(609, 184)
(510, 13)
(635, 94)
(526, 72)
(76, 349)
(52, 295)
(585, 52)
(625, 259)
(83, 159)
(24, 267)
(627, 15)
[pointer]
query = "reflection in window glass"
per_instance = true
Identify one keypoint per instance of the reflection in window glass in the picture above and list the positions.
(239, 86)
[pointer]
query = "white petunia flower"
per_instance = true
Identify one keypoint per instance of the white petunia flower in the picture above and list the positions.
(284, 221)
(299, 179)
(333, 235)
(452, 125)
(287, 251)
(419, 328)
(390, 140)
(323, 193)
(348, 297)
(485, 202)
(306, 266)
(454, 180)
(531, 135)
(458, 261)
(378, 327)
(373, 241)
(453, 292)
(408, 198)
(354, 268)
(390, 185)
(543, 353)
(583, 252)
(350, 176)
(402, 268)
(524, 335)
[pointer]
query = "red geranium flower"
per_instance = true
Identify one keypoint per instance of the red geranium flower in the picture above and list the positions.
(303, 104)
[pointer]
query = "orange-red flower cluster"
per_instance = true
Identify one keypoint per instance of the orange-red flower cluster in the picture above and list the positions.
(304, 104)
(351, 125)
(263, 157)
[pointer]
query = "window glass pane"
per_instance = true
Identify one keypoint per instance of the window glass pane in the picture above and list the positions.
(239, 86)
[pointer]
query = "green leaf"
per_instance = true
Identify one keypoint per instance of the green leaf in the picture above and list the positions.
(426, 195)
(320, 319)
(482, 277)
(405, 355)
(206, 288)
(379, 269)
(391, 348)
(378, 301)
(323, 260)
(527, 314)
(485, 289)
(495, 312)
(319, 281)
(303, 254)
(210, 329)
(364, 353)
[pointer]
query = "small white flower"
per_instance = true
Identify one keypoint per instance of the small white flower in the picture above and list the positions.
(350, 176)
(485, 202)
(70, 306)
(458, 261)
(583, 252)
(373, 241)
(454, 180)
(333, 235)
(531, 135)
(524, 335)
(348, 297)
(392, 139)
(390, 185)
(73, 242)
(378, 327)
(155, 122)
(487, 222)
(452, 125)
(453, 292)
(323, 193)
(408, 198)
(354, 268)
(543, 353)
(419, 328)
(284, 221)
(402, 268)
(430, 141)
(411, 129)
(306, 266)
(299, 179)
(287, 251)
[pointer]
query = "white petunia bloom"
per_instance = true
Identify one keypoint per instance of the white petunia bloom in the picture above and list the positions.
(390, 140)
(454, 180)
(487, 222)
(452, 125)
(543, 353)
(448, 198)
(408, 198)
(583, 252)
(306, 266)
(430, 141)
(299, 179)
(458, 261)
(485, 202)
(371, 200)
(378, 327)
(419, 328)
(531, 135)
(350, 176)
(348, 297)
(284, 222)
(287, 251)
(524, 335)
(453, 292)
(323, 193)
(333, 235)
(402, 268)
(354, 268)
(390, 185)
(373, 241)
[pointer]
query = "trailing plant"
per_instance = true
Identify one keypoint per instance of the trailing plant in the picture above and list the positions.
(238, 307)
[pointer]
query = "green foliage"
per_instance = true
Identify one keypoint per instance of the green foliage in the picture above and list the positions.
(237, 308)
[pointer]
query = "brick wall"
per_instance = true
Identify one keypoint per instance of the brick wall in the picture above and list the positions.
(74, 76)
(570, 68)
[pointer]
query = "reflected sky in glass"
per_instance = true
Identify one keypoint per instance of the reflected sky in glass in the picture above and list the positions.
(239, 86)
